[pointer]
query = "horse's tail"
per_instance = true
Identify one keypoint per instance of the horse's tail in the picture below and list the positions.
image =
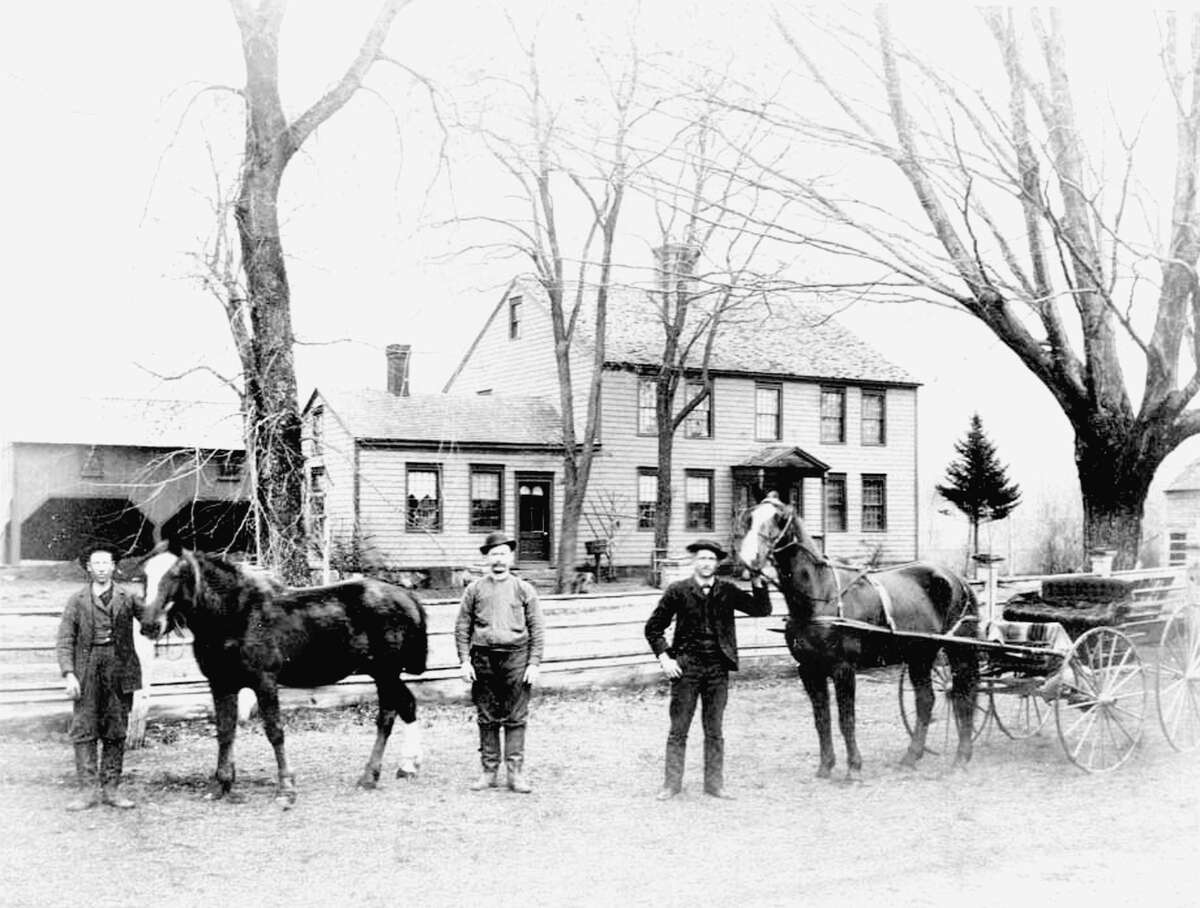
(414, 650)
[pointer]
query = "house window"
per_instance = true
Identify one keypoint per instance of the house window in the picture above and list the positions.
(486, 496)
(318, 431)
(1177, 555)
(698, 423)
(833, 416)
(316, 503)
(768, 399)
(93, 465)
(835, 503)
(647, 416)
(424, 498)
(647, 497)
(698, 495)
(874, 503)
(514, 318)
(229, 466)
(874, 417)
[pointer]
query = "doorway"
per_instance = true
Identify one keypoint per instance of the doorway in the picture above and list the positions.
(534, 515)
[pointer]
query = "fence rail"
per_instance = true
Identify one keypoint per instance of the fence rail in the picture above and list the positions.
(591, 640)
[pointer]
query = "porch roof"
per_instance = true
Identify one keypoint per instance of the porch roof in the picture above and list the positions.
(783, 457)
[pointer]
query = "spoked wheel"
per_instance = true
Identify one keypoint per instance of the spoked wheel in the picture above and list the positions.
(1178, 679)
(1019, 714)
(1100, 705)
(943, 734)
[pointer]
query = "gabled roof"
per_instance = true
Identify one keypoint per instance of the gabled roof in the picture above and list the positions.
(370, 414)
(786, 457)
(1188, 480)
(126, 422)
(777, 335)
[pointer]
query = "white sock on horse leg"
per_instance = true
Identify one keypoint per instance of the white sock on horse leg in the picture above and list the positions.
(410, 744)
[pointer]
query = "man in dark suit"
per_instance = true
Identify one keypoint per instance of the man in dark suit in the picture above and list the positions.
(101, 671)
(698, 661)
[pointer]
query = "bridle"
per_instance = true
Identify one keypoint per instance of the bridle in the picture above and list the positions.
(782, 544)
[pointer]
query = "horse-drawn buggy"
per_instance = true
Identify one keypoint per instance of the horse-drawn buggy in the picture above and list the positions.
(1087, 648)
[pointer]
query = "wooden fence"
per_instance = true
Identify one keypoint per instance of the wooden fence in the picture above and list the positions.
(591, 640)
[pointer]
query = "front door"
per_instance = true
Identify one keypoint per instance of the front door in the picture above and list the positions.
(533, 517)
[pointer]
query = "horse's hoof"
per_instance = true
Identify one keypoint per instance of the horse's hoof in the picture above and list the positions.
(825, 772)
(368, 783)
(853, 775)
(285, 801)
(908, 761)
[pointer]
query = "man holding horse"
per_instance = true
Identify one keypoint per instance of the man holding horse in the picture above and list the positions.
(101, 671)
(499, 635)
(698, 661)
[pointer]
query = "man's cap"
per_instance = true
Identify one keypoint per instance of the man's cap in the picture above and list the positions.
(495, 538)
(709, 544)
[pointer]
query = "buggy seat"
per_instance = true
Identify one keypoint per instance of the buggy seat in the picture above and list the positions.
(1077, 603)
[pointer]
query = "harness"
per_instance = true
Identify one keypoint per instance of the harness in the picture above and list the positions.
(885, 598)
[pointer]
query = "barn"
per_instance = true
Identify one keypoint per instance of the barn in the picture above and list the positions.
(123, 471)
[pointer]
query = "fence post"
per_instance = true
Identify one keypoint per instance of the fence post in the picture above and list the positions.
(139, 711)
(1102, 561)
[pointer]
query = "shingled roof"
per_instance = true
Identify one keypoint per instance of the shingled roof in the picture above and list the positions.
(776, 336)
(370, 414)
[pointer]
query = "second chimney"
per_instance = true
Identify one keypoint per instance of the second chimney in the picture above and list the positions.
(398, 356)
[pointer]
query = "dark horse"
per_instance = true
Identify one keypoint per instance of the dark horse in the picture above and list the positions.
(248, 631)
(914, 597)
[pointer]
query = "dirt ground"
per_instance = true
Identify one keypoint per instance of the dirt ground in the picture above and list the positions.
(1021, 826)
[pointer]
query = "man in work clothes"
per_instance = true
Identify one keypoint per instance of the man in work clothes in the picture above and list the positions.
(700, 658)
(499, 635)
(101, 671)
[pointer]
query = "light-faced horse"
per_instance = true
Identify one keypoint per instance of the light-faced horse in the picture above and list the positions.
(915, 597)
(250, 632)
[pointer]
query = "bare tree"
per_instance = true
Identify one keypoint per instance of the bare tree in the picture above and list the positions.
(1020, 223)
(253, 284)
(556, 166)
(710, 215)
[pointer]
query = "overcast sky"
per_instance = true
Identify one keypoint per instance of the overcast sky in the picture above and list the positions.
(108, 167)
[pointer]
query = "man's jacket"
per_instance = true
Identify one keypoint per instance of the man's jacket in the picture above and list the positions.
(683, 602)
(75, 636)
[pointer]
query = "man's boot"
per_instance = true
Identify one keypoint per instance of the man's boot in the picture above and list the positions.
(489, 756)
(714, 768)
(85, 772)
(514, 759)
(673, 776)
(111, 763)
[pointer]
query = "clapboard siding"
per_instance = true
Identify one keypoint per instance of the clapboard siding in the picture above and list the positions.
(382, 489)
(624, 451)
(526, 365)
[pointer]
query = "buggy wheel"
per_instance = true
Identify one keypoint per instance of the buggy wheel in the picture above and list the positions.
(1019, 714)
(1178, 679)
(1100, 707)
(942, 736)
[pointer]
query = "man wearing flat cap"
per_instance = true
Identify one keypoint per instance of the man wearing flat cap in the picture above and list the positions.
(499, 635)
(101, 671)
(700, 658)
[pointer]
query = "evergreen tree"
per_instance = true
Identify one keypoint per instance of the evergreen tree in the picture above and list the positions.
(977, 483)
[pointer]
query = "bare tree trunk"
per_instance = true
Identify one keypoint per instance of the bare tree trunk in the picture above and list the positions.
(265, 345)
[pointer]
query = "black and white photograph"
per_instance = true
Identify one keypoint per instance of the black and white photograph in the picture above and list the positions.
(579, 453)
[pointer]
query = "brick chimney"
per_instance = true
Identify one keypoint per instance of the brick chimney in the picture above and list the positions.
(676, 265)
(398, 356)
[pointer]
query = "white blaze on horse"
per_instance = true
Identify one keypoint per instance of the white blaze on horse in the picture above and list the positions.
(250, 632)
(841, 617)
